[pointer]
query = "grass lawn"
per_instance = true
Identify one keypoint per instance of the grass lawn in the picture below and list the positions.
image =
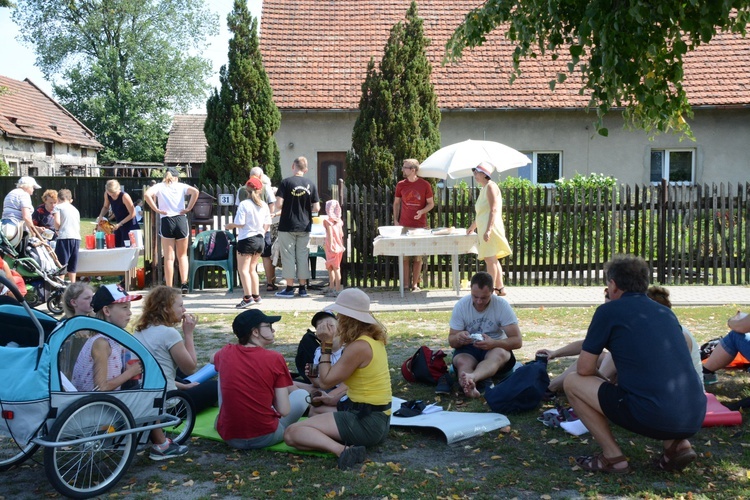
(529, 460)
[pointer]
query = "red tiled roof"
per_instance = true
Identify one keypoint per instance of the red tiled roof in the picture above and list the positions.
(316, 53)
(27, 112)
(187, 142)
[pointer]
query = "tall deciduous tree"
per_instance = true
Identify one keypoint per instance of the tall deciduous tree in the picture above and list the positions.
(629, 53)
(242, 117)
(126, 65)
(399, 117)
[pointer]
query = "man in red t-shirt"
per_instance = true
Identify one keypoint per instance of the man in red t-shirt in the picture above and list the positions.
(410, 206)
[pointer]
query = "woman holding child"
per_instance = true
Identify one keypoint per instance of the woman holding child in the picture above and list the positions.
(363, 367)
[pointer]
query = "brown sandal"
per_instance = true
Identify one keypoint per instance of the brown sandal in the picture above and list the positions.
(675, 461)
(600, 463)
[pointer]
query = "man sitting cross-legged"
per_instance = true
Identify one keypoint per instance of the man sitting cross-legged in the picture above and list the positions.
(657, 395)
(491, 320)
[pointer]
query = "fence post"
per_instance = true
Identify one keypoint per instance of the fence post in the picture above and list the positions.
(661, 233)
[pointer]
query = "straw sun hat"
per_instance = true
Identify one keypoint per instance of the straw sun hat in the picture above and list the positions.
(354, 303)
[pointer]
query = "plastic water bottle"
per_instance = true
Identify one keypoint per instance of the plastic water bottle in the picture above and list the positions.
(100, 240)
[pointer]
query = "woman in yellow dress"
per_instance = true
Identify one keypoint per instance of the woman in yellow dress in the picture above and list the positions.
(493, 245)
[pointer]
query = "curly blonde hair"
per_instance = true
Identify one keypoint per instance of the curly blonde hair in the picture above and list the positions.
(157, 308)
(351, 329)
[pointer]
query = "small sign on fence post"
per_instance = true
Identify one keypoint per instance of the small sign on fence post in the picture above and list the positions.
(226, 199)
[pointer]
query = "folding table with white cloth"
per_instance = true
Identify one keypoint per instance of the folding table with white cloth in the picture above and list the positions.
(456, 243)
(108, 262)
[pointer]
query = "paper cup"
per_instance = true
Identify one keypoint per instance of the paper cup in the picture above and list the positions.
(136, 238)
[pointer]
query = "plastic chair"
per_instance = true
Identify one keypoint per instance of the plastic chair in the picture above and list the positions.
(196, 262)
(321, 252)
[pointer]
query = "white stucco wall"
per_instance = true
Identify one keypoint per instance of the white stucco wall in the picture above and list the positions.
(722, 145)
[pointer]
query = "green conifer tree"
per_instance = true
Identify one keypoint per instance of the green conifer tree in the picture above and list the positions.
(399, 117)
(241, 116)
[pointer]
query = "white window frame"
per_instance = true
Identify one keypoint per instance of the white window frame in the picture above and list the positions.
(533, 156)
(665, 170)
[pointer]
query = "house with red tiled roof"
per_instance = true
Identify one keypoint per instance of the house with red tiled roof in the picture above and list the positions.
(316, 53)
(40, 137)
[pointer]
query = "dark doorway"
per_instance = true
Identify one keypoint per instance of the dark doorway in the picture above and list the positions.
(330, 169)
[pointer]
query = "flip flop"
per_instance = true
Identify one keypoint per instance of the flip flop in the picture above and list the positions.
(271, 287)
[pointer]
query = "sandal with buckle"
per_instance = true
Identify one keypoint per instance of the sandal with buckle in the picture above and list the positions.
(271, 287)
(600, 463)
(500, 291)
(674, 461)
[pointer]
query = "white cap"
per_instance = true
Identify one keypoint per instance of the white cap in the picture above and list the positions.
(28, 181)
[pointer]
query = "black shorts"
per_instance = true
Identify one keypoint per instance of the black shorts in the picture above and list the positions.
(67, 253)
(267, 245)
(479, 355)
(175, 227)
(615, 406)
(250, 246)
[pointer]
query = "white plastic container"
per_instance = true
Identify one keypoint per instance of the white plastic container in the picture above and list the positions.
(390, 231)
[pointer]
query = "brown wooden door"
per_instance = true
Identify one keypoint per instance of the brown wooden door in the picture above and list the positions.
(331, 168)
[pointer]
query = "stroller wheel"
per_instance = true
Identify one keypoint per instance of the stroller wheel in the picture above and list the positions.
(55, 302)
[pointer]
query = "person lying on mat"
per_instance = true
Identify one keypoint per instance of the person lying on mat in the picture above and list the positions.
(483, 333)
(363, 367)
(257, 398)
(322, 401)
(657, 394)
(729, 346)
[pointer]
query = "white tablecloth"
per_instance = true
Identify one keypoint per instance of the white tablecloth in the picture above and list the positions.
(455, 244)
(107, 260)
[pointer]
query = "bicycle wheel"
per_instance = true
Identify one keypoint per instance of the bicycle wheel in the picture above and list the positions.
(11, 454)
(91, 468)
(181, 405)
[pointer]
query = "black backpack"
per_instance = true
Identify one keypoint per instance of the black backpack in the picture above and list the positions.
(216, 248)
(306, 353)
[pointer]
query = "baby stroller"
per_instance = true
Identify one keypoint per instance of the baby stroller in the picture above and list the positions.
(89, 438)
(38, 271)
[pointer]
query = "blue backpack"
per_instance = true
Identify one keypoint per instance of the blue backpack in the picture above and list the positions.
(522, 391)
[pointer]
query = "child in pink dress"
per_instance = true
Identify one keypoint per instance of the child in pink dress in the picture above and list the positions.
(334, 246)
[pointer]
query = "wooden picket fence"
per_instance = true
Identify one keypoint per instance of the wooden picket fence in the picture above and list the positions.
(698, 234)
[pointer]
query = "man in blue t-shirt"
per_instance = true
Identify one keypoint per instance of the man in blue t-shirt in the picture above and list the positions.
(657, 393)
(296, 201)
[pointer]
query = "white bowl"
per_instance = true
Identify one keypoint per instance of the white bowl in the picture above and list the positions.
(390, 231)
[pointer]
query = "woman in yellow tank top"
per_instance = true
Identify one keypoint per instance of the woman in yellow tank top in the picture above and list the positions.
(493, 245)
(364, 420)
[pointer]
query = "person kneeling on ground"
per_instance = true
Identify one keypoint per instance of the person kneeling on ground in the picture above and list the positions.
(363, 366)
(658, 394)
(257, 398)
(484, 332)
